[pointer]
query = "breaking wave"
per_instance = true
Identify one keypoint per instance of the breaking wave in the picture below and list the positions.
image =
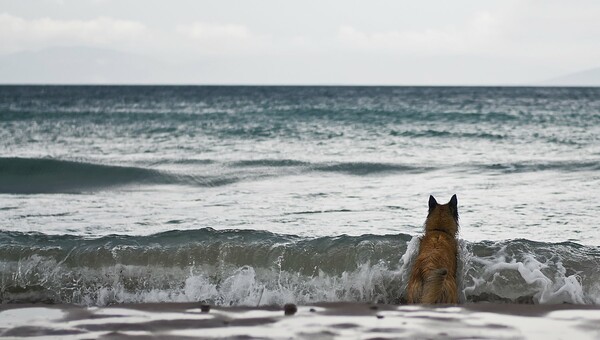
(250, 267)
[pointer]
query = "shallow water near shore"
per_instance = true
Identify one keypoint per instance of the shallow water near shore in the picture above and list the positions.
(321, 321)
(252, 268)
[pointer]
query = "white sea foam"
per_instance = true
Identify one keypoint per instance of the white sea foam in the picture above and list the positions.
(546, 282)
(281, 269)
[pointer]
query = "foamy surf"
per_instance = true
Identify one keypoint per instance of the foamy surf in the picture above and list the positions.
(252, 268)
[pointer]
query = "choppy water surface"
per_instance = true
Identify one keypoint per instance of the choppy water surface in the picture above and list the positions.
(246, 195)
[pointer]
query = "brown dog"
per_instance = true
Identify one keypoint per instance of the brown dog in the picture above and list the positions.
(433, 276)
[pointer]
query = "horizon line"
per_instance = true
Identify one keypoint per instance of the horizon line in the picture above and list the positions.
(300, 85)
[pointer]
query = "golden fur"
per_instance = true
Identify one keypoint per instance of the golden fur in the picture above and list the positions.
(433, 276)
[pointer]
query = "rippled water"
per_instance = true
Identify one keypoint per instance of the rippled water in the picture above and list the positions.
(306, 162)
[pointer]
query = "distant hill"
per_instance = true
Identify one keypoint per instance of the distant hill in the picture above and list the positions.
(79, 65)
(87, 65)
(589, 77)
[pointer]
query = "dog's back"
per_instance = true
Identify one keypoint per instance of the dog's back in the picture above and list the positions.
(433, 277)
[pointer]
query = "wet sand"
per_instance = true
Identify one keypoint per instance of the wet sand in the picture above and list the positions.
(319, 321)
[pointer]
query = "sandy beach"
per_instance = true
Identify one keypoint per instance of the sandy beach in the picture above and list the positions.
(319, 321)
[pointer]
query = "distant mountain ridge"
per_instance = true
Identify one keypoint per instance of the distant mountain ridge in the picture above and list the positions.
(89, 65)
(590, 77)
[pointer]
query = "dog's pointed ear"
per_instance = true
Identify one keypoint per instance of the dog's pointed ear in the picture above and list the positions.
(432, 203)
(454, 203)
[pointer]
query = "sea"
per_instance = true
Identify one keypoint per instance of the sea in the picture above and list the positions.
(260, 196)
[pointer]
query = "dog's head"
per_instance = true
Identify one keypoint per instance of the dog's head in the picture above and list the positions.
(443, 216)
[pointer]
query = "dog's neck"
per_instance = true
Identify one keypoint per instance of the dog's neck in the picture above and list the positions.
(441, 230)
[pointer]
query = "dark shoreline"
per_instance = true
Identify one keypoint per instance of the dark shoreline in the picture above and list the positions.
(344, 308)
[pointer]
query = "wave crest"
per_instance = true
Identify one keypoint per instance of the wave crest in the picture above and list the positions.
(248, 267)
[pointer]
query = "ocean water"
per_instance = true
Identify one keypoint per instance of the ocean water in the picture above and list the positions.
(268, 195)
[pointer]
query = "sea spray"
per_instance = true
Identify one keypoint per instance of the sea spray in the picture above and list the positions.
(247, 268)
(521, 270)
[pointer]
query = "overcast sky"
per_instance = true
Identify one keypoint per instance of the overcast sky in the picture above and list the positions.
(417, 42)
